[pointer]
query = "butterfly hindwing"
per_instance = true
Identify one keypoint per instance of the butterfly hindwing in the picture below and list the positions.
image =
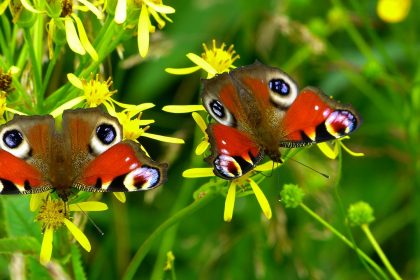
(107, 164)
(233, 152)
(314, 118)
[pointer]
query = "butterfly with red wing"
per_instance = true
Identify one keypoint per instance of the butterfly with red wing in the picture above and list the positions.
(260, 109)
(87, 154)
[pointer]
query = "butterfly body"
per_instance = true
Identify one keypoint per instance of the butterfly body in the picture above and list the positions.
(87, 154)
(260, 109)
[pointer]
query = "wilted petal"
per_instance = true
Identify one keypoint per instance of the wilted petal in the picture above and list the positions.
(160, 8)
(198, 172)
(28, 6)
(143, 31)
(121, 11)
(72, 38)
(262, 200)
(78, 234)
(46, 247)
(183, 108)
(84, 39)
(230, 202)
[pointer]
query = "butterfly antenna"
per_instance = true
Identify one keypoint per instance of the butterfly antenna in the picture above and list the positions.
(91, 220)
(307, 166)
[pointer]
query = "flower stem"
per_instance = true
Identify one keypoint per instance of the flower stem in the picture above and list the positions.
(344, 239)
(379, 251)
(179, 216)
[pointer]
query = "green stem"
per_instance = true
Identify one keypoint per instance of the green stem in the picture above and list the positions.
(344, 239)
(50, 67)
(379, 251)
(179, 216)
(35, 67)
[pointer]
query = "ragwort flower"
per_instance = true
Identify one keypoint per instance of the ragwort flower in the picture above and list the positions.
(53, 214)
(215, 60)
(5, 89)
(153, 8)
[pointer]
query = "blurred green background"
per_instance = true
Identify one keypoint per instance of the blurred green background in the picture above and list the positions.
(352, 55)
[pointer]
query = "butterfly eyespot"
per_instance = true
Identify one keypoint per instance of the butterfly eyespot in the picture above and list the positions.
(106, 133)
(105, 136)
(12, 138)
(219, 112)
(283, 90)
(279, 86)
(14, 142)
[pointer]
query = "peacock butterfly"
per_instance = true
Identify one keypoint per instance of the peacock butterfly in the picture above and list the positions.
(87, 154)
(260, 109)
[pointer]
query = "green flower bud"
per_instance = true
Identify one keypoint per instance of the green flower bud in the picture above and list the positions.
(291, 195)
(360, 213)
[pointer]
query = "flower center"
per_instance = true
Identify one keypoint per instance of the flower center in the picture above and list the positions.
(97, 91)
(220, 58)
(52, 214)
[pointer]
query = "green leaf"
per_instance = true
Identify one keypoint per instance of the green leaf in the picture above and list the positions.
(79, 272)
(18, 219)
(26, 245)
(36, 270)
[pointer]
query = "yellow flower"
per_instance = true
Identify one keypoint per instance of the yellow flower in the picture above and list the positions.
(95, 92)
(215, 60)
(204, 144)
(332, 153)
(68, 21)
(6, 79)
(53, 214)
(154, 8)
(393, 11)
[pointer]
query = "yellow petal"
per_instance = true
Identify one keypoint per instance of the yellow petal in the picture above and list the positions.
(120, 11)
(183, 108)
(202, 63)
(200, 122)
(267, 166)
(93, 9)
(202, 147)
(160, 8)
(161, 23)
(88, 206)
(3, 6)
(68, 105)
(355, 154)
(36, 200)
(84, 38)
(74, 80)
(143, 31)
(120, 196)
(393, 11)
(326, 150)
(46, 247)
(72, 38)
(28, 6)
(145, 122)
(182, 71)
(163, 138)
(230, 202)
(198, 172)
(262, 200)
(78, 234)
